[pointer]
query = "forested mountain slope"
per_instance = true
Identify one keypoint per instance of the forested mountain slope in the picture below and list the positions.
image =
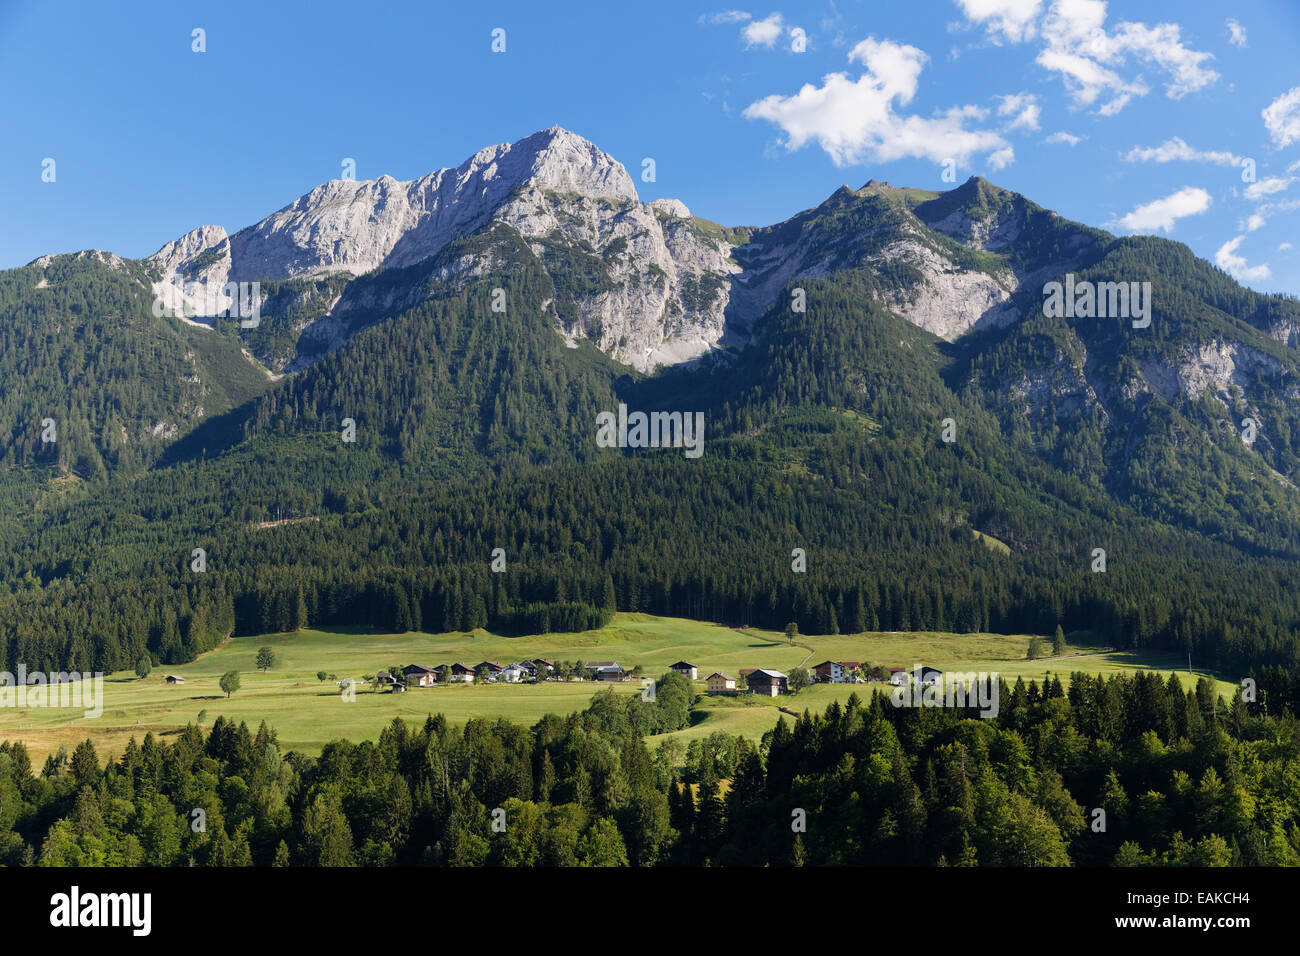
(80, 345)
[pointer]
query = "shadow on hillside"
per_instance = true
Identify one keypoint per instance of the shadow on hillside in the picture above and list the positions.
(210, 439)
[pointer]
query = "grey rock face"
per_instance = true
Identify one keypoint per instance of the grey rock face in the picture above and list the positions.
(358, 226)
(665, 296)
(195, 269)
(660, 287)
(949, 302)
(665, 299)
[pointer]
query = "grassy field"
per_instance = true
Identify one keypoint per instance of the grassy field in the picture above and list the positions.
(307, 713)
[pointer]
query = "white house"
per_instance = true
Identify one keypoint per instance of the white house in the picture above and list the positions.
(512, 673)
(686, 669)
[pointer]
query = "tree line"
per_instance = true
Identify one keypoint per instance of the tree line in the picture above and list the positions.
(1115, 771)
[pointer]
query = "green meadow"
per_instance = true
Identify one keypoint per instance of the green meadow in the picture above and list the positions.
(307, 713)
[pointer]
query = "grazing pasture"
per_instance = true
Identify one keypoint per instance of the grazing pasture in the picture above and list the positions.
(307, 713)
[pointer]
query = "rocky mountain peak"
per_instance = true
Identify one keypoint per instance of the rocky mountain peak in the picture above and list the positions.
(670, 207)
(654, 284)
(562, 161)
(346, 225)
(189, 246)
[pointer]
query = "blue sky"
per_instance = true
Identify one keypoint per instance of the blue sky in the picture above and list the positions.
(1139, 116)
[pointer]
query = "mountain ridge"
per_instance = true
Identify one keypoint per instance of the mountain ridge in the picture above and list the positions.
(653, 287)
(660, 286)
(669, 288)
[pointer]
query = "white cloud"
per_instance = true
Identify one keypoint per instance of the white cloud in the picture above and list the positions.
(1163, 213)
(1069, 139)
(1284, 247)
(1163, 44)
(1011, 20)
(1072, 22)
(1228, 260)
(726, 16)
(1267, 187)
(853, 120)
(1025, 108)
(1086, 80)
(1266, 211)
(1177, 148)
(1088, 58)
(763, 32)
(1236, 32)
(1282, 118)
(1001, 158)
(895, 67)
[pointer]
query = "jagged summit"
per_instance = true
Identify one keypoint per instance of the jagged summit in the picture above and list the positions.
(561, 160)
(662, 291)
(977, 189)
(647, 283)
(358, 225)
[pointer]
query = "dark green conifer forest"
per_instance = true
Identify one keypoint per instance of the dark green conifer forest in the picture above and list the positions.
(1120, 771)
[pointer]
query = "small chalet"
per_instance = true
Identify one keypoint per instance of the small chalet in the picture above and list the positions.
(542, 664)
(829, 672)
(897, 676)
(173, 679)
(420, 675)
(930, 676)
(512, 673)
(835, 672)
(766, 682)
(687, 670)
(607, 670)
(462, 673)
(720, 683)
